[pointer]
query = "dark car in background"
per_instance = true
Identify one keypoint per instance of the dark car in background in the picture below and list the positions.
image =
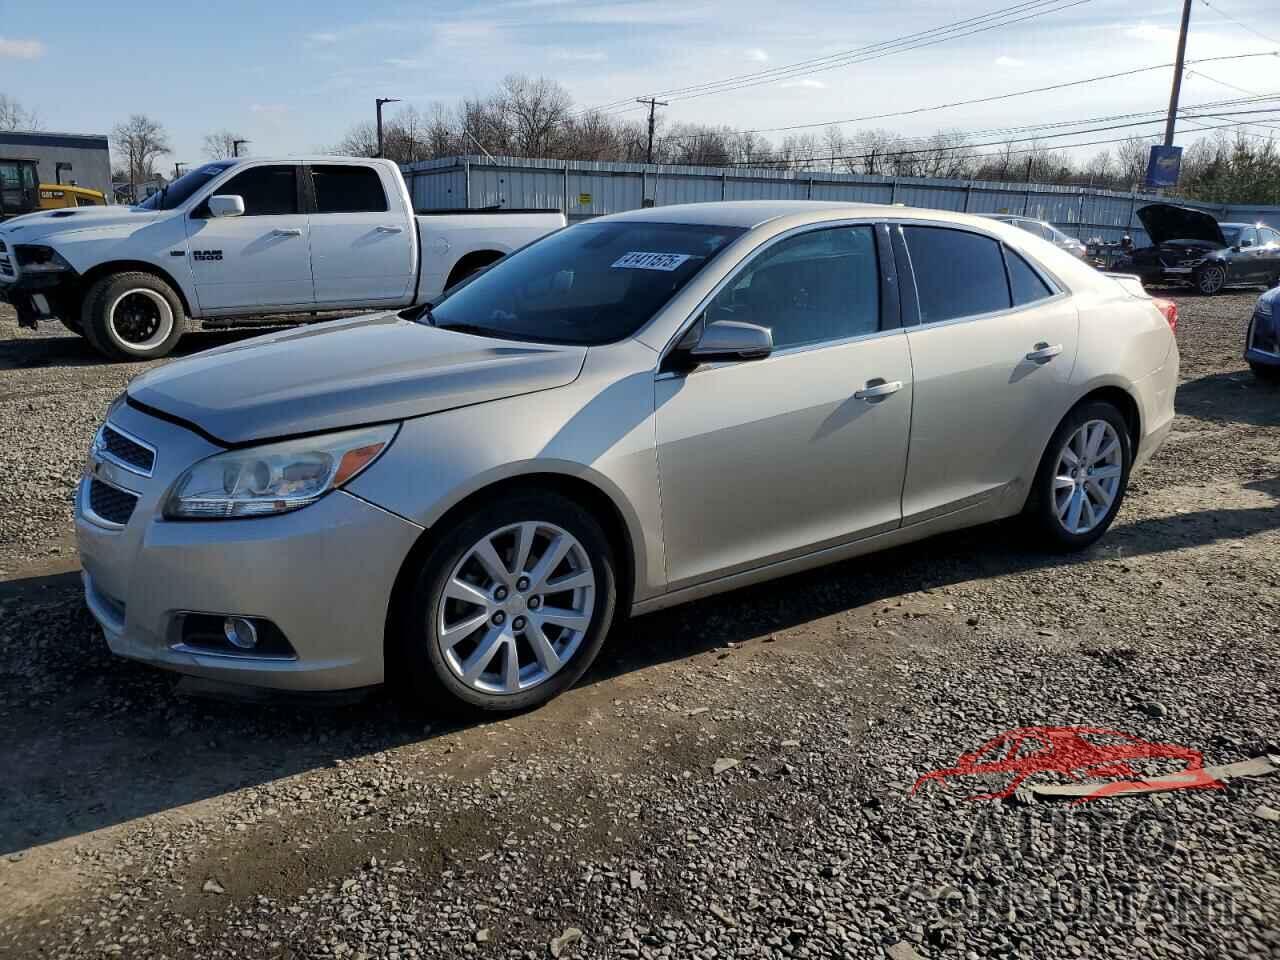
(1044, 230)
(1262, 342)
(1190, 246)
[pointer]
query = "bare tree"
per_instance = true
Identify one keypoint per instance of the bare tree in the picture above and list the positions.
(833, 144)
(536, 111)
(360, 141)
(13, 116)
(221, 144)
(140, 141)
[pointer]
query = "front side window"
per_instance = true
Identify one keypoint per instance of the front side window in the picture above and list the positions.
(811, 288)
(1248, 237)
(1269, 236)
(266, 191)
(1026, 284)
(592, 283)
(179, 190)
(958, 274)
(348, 189)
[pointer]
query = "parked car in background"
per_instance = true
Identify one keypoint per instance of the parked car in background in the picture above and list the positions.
(1262, 340)
(637, 411)
(1046, 231)
(244, 238)
(1190, 246)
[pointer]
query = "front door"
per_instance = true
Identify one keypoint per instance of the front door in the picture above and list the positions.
(362, 251)
(257, 261)
(992, 358)
(764, 460)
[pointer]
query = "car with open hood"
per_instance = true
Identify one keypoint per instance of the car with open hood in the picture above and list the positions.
(1190, 246)
(633, 412)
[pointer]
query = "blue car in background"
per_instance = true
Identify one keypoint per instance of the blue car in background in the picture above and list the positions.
(1262, 342)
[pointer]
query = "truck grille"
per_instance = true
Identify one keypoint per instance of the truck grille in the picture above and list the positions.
(112, 505)
(127, 450)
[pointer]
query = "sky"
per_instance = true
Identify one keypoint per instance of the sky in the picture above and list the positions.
(293, 77)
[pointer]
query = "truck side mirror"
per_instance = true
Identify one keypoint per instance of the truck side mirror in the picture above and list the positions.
(226, 205)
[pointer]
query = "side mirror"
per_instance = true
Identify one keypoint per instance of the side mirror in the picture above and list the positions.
(731, 340)
(226, 205)
(1246, 243)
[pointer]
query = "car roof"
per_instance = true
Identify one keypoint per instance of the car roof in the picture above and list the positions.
(754, 213)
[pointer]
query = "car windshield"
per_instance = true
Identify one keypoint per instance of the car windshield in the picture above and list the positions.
(590, 284)
(174, 193)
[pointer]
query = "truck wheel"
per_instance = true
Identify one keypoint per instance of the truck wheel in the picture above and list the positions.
(72, 325)
(132, 316)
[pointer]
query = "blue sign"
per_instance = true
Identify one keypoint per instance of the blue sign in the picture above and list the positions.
(1163, 167)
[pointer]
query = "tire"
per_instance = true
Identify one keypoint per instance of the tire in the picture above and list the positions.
(132, 316)
(1265, 372)
(72, 325)
(1050, 523)
(1210, 279)
(420, 651)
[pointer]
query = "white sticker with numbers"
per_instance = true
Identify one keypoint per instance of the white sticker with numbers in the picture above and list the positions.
(641, 260)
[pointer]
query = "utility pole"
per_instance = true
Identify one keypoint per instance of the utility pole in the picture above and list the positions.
(652, 104)
(378, 104)
(177, 168)
(1177, 74)
(235, 147)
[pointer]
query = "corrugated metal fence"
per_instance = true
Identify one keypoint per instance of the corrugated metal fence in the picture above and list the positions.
(584, 189)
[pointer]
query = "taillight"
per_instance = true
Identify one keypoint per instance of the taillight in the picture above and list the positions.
(1170, 311)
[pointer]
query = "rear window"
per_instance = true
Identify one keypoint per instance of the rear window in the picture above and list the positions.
(958, 274)
(348, 189)
(592, 283)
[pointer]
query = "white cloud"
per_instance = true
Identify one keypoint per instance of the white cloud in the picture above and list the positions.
(756, 54)
(21, 49)
(1150, 33)
(269, 109)
(322, 38)
(1013, 62)
(579, 56)
(807, 83)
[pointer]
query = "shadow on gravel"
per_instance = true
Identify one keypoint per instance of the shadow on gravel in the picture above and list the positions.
(1231, 397)
(23, 352)
(91, 740)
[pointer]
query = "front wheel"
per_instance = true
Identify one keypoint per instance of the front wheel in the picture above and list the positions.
(1082, 477)
(1211, 279)
(509, 608)
(132, 316)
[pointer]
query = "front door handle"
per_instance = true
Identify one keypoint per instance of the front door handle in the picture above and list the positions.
(875, 391)
(1043, 352)
(291, 232)
(390, 229)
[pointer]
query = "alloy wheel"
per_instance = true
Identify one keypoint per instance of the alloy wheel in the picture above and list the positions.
(1211, 279)
(140, 319)
(1087, 477)
(516, 608)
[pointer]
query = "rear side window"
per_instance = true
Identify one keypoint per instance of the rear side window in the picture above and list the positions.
(266, 191)
(958, 274)
(348, 189)
(1269, 236)
(1025, 282)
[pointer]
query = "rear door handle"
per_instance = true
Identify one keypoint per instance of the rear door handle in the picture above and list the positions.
(874, 391)
(390, 229)
(291, 232)
(1043, 352)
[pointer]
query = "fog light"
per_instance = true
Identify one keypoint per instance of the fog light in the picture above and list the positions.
(240, 632)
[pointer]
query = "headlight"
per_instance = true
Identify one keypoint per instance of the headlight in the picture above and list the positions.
(39, 259)
(275, 478)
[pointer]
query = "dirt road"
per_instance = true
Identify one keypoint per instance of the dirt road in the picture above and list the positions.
(732, 778)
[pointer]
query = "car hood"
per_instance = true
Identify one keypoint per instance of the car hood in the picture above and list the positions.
(1165, 221)
(345, 373)
(33, 227)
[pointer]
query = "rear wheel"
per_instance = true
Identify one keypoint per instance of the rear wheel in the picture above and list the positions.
(132, 316)
(1082, 477)
(1211, 279)
(509, 608)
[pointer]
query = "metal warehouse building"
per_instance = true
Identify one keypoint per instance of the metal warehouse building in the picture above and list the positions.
(87, 155)
(584, 189)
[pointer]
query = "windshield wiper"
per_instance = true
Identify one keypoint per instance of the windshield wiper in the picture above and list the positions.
(474, 328)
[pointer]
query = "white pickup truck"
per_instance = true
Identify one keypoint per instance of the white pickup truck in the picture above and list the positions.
(246, 238)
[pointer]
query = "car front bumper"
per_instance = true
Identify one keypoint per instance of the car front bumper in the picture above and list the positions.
(322, 576)
(37, 297)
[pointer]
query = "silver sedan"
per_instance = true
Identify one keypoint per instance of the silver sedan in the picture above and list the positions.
(630, 413)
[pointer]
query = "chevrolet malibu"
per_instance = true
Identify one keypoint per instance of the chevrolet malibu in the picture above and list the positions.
(631, 413)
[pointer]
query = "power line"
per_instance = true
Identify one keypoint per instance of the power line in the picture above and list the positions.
(977, 100)
(1242, 26)
(968, 26)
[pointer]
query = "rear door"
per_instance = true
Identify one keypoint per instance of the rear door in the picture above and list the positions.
(257, 261)
(1249, 261)
(362, 248)
(991, 355)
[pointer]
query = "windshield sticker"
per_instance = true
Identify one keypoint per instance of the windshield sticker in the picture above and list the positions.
(640, 260)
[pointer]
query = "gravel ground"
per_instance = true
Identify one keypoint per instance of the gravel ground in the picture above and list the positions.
(732, 778)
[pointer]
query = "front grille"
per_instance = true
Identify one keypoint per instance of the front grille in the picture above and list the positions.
(3, 248)
(1264, 334)
(112, 505)
(126, 450)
